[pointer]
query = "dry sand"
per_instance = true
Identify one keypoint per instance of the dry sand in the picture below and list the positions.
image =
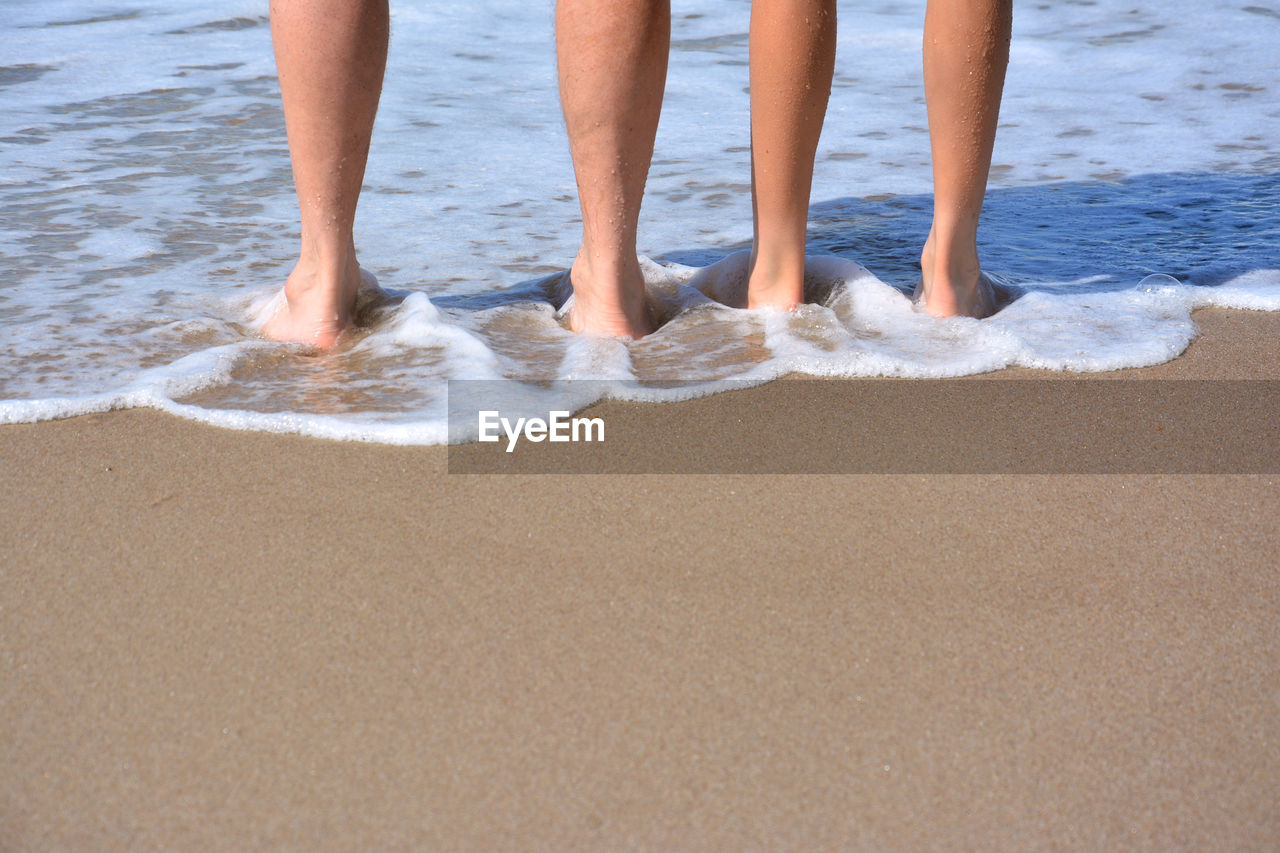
(222, 640)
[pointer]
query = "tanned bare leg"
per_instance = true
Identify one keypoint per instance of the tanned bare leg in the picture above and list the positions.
(330, 55)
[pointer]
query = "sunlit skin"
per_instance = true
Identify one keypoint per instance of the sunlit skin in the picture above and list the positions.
(613, 63)
(330, 56)
(792, 57)
(612, 60)
(966, 51)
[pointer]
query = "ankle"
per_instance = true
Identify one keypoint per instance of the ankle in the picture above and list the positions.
(327, 287)
(607, 283)
(775, 281)
(949, 261)
(609, 298)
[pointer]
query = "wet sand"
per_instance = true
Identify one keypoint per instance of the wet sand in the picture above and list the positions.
(224, 640)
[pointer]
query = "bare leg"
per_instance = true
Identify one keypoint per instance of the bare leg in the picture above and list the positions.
(330, 55)
(612, 60)
(793, 46)
(966, 50)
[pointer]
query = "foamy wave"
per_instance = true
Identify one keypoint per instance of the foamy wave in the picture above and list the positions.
(146, 188)
(860, 327)
(154, 388)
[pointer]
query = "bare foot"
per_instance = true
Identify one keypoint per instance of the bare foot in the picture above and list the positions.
(318, 305)
(956, 289)
(773, 286)
(605, 307)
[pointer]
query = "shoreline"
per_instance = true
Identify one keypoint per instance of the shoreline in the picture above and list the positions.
(222, 639)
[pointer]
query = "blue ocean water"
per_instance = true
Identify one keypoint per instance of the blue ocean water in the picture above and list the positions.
(148, 208)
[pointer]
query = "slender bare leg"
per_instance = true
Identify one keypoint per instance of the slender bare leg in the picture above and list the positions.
(793, 46)
(613, 66)
(330, 55)
(966, 51)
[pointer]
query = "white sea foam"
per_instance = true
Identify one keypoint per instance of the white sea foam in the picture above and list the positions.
(149, 214)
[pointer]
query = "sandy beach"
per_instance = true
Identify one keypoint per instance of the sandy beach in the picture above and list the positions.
(218, 640)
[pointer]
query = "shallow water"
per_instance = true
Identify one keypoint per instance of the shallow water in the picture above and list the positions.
(148, 207)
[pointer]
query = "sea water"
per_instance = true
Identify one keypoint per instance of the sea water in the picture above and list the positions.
(149, 216)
